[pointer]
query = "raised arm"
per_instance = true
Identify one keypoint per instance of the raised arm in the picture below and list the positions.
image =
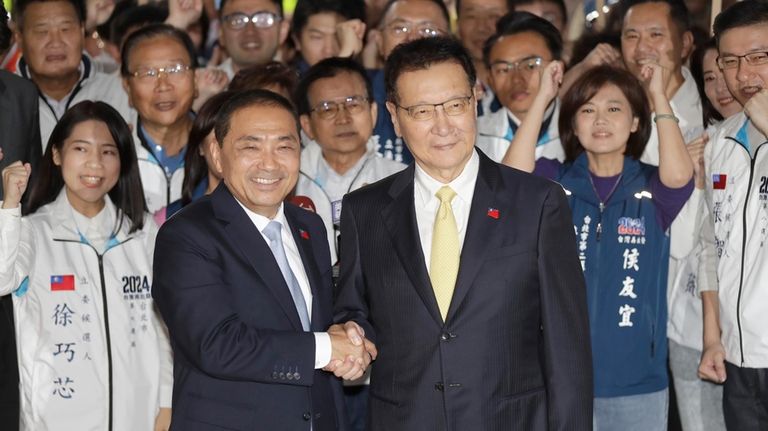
(521, 153)
(15, 248)
(675, 165)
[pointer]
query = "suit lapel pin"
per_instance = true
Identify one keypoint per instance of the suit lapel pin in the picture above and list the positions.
(493, 213)
(304, 234)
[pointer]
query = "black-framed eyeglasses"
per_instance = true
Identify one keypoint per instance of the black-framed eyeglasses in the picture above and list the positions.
(261, 19)
(426, 111)
(171, 72)
(758, 58)
(525, 67)
(329, 109)
(401, 29)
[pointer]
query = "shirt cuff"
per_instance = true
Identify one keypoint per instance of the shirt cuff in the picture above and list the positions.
(322, 349)
(10, 212)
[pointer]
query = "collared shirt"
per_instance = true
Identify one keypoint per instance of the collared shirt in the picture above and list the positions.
(169, 163)
(97, 229)
(427, 204)
(322, 339)
(59, 107)
(337, 185)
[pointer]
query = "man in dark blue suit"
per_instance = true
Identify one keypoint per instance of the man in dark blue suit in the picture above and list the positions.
(463, 271)
(243, 282)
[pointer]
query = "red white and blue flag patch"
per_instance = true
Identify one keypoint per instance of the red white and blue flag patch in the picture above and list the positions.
(718, 181)
(62, 283)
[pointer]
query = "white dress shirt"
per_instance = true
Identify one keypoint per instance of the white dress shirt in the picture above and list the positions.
(97, 229)
(427, 204)
(322, 339)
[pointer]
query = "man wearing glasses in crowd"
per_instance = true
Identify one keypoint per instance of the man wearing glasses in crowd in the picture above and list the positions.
(457, 268)
(403, 21)
(516, 56)
(251, 32)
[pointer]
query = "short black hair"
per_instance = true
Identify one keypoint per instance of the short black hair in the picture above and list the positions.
(265, 75)
(133, 18)
(420, 54)
(559, 3)
(439, 3)
(328, 68)
(277, 3)
(349, 9)
(246, 99)
(520, 22)
(510, 6)
(678, 11)
(20, 6)
(150, 32)
(585, 88)
(740, 14)
(127, 194)
(5, 32)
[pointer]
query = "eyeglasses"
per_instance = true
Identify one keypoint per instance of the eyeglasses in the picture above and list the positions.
(261, 19)
(424, 112)
(173, 72)
(525, 67)
(732, 61)
(329, 110)
(401, 29)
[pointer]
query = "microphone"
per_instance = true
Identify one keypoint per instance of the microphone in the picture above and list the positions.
(303, 202)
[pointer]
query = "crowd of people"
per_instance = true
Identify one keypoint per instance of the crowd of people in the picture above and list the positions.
(382, 215)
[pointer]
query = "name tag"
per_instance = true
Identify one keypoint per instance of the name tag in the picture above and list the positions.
(336, 211)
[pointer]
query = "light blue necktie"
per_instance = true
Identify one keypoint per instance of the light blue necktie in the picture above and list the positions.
(272, 231)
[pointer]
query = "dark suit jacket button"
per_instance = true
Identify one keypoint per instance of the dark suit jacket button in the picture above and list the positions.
(282, 375)
(289, 376)
(447, 336)
(296, 375)
(439, 386)
(307, 416)
(274, 374)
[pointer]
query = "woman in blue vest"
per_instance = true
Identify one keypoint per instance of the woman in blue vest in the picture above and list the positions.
(621, 211)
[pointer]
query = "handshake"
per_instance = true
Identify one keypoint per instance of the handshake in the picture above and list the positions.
(351, 352)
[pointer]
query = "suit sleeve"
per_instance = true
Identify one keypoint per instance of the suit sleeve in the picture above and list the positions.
(350, 302)
(565, 322)
(204, 326)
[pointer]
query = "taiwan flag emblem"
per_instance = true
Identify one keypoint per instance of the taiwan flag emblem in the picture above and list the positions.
(304, 234)
(718, 181)
(62, 283)
(493, 213)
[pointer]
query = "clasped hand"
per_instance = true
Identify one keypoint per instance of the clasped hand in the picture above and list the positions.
(351, 352)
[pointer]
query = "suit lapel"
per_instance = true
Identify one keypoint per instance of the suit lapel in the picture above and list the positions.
(301, 238)
(400, 219)
(481, 236)
(244, 235)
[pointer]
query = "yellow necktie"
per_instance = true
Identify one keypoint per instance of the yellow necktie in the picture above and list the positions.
(444, 262)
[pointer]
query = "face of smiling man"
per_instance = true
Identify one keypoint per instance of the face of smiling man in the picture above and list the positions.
(259, 157)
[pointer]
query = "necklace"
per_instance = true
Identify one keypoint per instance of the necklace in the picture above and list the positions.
(602, 202)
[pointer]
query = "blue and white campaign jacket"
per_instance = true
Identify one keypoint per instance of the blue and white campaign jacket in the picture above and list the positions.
(93, 353)
(736, 253)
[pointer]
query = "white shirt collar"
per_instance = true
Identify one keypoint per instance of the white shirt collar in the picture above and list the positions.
(464, 184)
(260, 221)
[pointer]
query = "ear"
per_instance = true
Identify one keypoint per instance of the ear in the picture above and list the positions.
(374, 113)
(216, 155)
(395, 121)
(635, 124)
(56, 156)
(687, 47)
(375, 34)
(17, 39)
(306, 126)
(127, 89)
(285, 27)
(296, 43)
(221, 36)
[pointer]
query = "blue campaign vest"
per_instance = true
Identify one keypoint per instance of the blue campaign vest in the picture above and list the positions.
(626, 274)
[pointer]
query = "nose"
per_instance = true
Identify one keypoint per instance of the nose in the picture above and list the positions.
(94, 159)
(743, 71)
(162, 82)
(268, 160)
(343, 115)
(441, 124)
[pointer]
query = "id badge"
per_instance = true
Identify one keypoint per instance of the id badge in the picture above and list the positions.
(336, 211)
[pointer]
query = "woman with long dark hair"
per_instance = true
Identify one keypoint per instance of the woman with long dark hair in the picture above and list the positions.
(92, 352)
